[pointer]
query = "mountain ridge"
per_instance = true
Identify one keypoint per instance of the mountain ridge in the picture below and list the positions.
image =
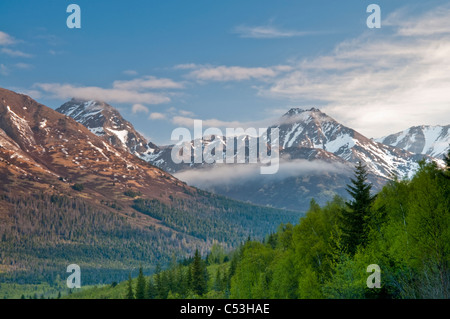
(431, 140)
(305, 135)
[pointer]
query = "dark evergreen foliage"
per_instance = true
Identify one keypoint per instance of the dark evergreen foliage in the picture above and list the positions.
(355, 217)
(141, 285)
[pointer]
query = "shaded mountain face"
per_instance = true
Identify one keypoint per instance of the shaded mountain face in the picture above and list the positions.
(105, 121)
(424, 139)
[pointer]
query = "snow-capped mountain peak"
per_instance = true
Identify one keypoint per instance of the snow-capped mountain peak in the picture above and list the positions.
(104, 120)
(311, 128)
(423, 139)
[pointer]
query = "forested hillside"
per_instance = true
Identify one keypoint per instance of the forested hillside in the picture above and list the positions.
(404, 229)
(42, 234)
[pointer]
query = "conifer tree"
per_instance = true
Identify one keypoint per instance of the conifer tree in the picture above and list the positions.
(182, 282)
(150, 290)
(218, 281)
(163, 289)
(140, 285)
(355, 217)
(447, 160)
(199, 275)
(158, 282)
(130, 293)
(189, 278)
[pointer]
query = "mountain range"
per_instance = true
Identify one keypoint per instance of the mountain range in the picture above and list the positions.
(68, 195)
(423, 139)
(317, 156)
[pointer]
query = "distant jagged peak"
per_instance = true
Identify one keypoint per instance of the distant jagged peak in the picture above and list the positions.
(298, 110)
(431, 140)
(106, 121)
(298, 115)
(78, 106)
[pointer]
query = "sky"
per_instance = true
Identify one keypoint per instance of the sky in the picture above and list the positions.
(234, 63)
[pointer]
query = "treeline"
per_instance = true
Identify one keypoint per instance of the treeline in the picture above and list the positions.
(404, 229)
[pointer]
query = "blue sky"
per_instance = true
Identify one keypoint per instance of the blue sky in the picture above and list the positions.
(234, 63)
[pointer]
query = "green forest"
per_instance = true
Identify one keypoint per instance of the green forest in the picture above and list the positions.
(45, 233)
(404, 229)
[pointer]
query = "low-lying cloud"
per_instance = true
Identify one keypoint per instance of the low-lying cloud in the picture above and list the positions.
(233, 174)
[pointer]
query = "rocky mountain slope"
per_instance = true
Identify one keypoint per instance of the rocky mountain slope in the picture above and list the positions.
(424, 139)
(105, 121)
(314, 129)
(50, 149)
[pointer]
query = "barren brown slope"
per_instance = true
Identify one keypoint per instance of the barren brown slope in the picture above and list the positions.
(42, 148)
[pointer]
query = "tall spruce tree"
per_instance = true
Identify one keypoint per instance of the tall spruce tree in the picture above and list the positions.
(140, 285)
(151, 292)
(130, 293)
(355, 217)
(199, 275)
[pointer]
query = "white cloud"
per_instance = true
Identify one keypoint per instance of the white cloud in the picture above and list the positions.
(114, 95)
(157, 116)
(53, 52)
(231, 174)
(139, 108)
(35, 94)
(6, 39)
(236, 73)
(186, 113)
(4, 69)
(24, 66)
(379, 84)
(189, 122)
(186, 66)
(433, 22)
(15, 53)
(130, 72)
(147, 82)
(267, 32)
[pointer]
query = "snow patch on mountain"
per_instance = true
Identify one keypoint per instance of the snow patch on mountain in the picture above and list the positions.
(122, 135)
(425, 139)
